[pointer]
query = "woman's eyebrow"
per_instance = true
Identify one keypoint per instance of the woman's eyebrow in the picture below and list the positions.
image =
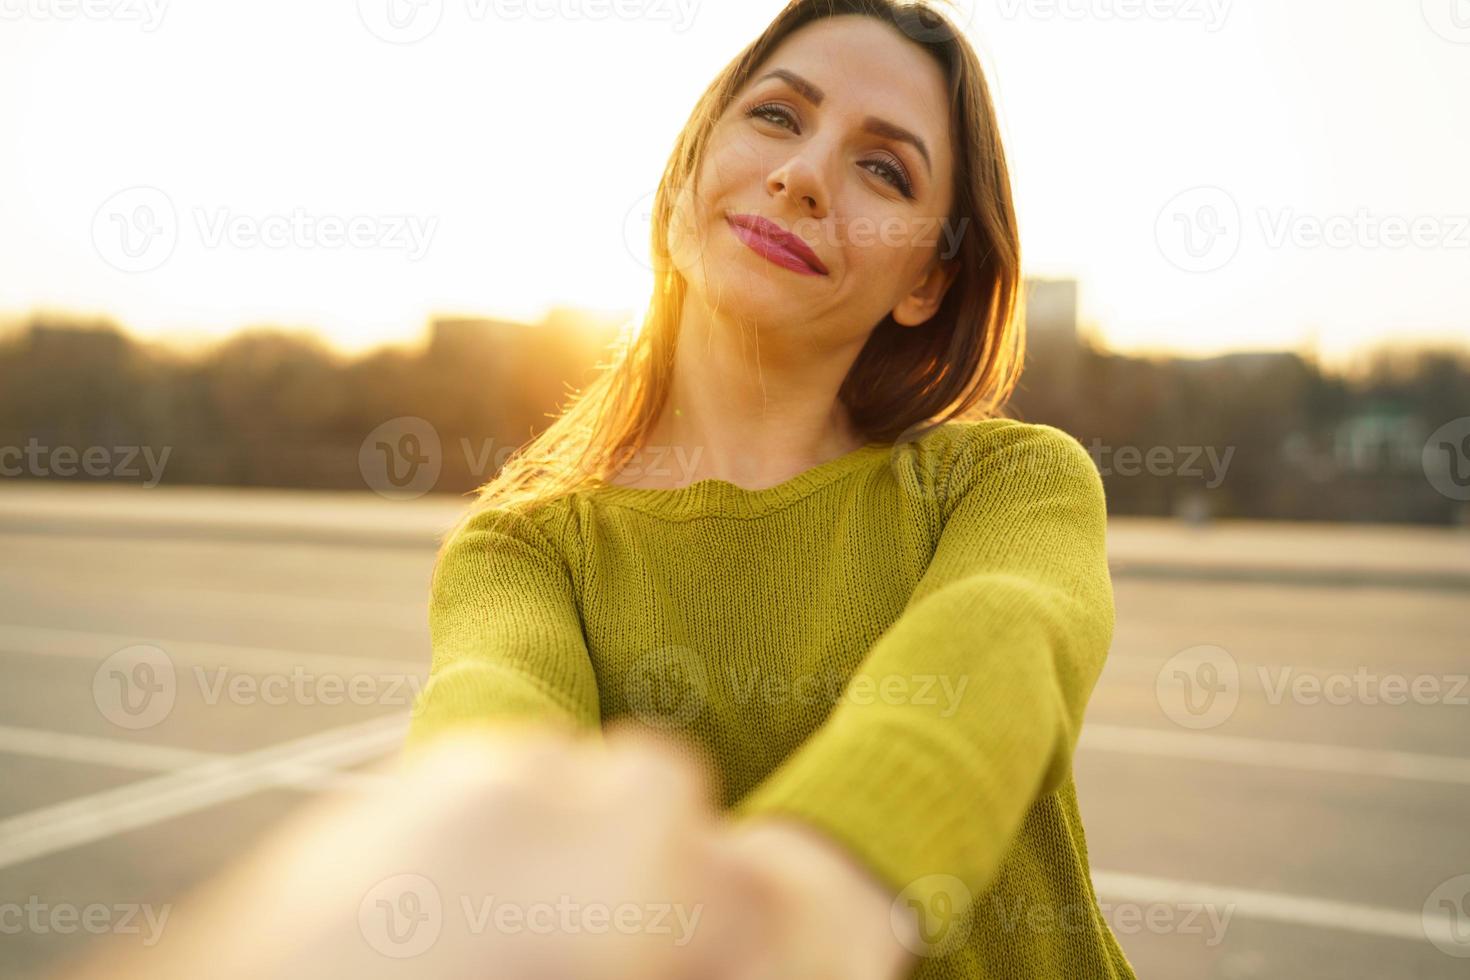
(872, 124)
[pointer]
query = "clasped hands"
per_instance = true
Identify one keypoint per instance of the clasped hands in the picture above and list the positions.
(522, 852)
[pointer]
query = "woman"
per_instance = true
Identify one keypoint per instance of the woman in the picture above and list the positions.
(789, 529)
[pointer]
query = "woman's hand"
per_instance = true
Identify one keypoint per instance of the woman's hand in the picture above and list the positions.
(508, 854)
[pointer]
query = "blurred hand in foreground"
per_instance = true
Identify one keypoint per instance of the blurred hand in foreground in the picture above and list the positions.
(506, 853)
(520, 853)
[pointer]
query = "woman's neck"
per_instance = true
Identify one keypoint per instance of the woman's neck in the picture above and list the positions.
(751, 423)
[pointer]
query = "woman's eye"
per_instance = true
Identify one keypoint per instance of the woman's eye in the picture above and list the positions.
(770, 110)
(895, 175)
(888, 170)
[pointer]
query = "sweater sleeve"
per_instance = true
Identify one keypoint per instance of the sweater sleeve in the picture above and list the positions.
(508, 644)
(1015, 614)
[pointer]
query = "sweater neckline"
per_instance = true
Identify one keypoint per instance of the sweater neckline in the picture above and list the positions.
(713, 495)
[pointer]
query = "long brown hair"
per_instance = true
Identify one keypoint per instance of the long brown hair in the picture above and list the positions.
(963, 363)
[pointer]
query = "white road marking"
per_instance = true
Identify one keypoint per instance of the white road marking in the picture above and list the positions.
(199, 780)
(88, 645)
(117, 753)
(305, 762)
(228, 604)
(1275, 754)
(1274, 906)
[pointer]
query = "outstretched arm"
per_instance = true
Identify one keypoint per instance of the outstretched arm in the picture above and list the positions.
(507, 636)
(1015, 615)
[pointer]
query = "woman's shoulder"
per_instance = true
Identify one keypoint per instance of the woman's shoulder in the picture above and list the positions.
(542, 524)
(970, 440)
(954, 456)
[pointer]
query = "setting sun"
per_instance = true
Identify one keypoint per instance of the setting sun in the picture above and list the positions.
(1227, 177)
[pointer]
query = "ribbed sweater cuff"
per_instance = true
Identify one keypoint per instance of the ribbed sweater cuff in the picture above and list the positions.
(901, 801)
(475, 693)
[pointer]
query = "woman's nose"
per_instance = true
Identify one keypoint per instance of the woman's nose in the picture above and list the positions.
(800, 181)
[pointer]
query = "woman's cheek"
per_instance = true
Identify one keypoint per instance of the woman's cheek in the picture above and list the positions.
(691, 228)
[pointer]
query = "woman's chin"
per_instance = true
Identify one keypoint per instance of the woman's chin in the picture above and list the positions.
(754, 299)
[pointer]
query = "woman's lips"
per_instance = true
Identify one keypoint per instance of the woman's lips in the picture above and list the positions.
(780, 247)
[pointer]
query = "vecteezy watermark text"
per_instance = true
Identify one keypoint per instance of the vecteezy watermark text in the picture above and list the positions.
(138, 686)
(39, 917)
(147, 13)
(403, 916)
(1201, 686)
(1182, 461)
(1211, 13)
(671, 685)
(410, 21)
(1203, 228)
(37, 460)
(138, 228)
(401, 459)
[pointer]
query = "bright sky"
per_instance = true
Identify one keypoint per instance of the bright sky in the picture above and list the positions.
(502, 162)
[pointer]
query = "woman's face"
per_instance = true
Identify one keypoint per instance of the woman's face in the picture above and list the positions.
(842, 139)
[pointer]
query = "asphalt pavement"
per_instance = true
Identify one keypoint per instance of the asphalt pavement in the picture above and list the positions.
(1274, 775)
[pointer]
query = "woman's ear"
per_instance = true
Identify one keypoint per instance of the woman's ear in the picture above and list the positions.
(923, 300)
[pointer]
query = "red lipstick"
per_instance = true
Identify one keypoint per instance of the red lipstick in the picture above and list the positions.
(781, 247)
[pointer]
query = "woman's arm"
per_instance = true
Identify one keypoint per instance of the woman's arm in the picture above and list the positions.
(508, 644)
(1009, 626)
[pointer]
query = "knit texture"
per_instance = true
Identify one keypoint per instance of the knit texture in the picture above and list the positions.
(896, 646)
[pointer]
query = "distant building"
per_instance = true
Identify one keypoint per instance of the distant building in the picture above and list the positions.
(1381, 440)
(469, 333)
(94, 342)
(1249, 363)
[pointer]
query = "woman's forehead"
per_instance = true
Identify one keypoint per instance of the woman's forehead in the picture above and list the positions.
(860, 59)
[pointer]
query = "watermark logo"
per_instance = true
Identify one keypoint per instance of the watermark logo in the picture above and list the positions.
(1202, 229)
(686, 232)
(1199, 230)
(940, 906)
(401, 916)
(919, 466)
(136, 229)
(401, 458)
(1446, 459)
(1199, 687)
(1450, 19)
(400, 21)
(1202, 686)
(939, 20)
(138, 686)
(1447, 917)
(836, 686)
(135, 687)
(638, 230)
(668, 687)
(405, 915)
(688, 235)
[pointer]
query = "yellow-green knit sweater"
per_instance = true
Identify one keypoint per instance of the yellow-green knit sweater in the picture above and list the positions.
(896, 646)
